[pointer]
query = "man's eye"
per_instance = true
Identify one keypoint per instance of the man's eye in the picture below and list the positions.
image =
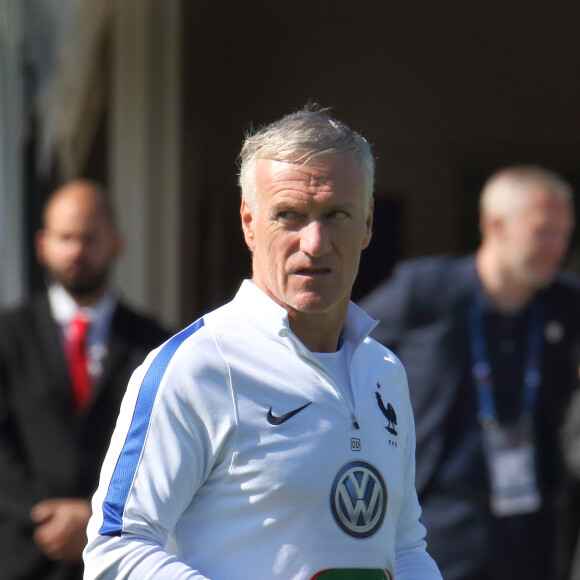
(338, 215)
(288, 215)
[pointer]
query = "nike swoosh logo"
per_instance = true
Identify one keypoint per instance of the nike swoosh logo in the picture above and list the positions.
(278, 420)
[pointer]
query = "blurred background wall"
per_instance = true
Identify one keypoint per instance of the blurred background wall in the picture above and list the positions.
(152, 97)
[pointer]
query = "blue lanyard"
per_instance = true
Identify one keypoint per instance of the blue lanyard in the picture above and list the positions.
(481, 370)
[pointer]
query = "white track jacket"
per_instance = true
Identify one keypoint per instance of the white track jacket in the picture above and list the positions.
(237, 456)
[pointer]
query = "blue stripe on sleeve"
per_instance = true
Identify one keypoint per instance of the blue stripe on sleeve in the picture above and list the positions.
(122, 479)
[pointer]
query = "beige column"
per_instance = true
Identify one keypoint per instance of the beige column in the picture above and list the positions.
(144, 152)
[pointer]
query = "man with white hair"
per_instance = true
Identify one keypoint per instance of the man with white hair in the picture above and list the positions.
(272, 439)
(486, 341)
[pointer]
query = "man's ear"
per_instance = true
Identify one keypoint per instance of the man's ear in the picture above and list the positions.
(492, 227)
(39, 243)
(369, 226)
(247, 224)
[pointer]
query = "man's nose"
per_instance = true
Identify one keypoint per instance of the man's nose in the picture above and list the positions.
(314, 239)
(76, 247)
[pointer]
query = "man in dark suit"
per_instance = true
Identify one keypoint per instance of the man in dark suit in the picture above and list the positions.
(59, 402)
(486, 342)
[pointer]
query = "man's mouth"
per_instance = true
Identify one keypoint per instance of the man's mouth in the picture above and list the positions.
(313, 272)
(73, 269)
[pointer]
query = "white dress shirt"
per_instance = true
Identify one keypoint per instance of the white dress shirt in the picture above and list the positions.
(65, 309)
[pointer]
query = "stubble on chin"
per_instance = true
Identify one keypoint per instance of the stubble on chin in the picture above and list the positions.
(85, 286)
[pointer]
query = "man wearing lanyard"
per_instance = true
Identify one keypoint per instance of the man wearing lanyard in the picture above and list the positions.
(486, 340)
(65, 357)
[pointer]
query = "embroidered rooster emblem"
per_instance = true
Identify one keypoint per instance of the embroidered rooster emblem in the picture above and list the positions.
(389, 414)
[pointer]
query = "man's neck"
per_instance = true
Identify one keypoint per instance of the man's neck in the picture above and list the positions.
(508, 294)
(89, 299)
(318, 332)
(86, 299)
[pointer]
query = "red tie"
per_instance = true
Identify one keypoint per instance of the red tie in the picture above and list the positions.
(77, 362)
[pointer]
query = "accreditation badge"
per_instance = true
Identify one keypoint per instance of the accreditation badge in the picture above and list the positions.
(511, 460)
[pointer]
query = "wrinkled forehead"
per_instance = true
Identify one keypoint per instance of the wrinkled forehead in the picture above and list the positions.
(323, 172)
(320, 183)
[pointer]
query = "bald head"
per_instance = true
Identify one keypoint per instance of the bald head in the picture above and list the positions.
(82, 196)
(79, 241)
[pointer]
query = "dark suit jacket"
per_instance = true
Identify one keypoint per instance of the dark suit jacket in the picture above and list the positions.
(45, 451)
(423, 311)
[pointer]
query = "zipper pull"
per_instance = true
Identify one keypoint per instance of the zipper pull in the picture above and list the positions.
(354, 421)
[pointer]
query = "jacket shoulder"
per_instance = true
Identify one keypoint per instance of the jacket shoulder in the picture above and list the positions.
(422, 279)
(142, 329)
(23, 313)
(567, 281)
(435, 267)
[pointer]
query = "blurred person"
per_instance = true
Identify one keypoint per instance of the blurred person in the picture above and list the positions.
(272, 438)
(486, 341)
(65, 358)
(571, 447)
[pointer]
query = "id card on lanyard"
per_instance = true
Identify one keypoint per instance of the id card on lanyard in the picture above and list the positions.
(509, 449)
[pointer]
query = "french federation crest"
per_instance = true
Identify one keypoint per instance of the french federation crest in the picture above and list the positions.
(388, 412)
(358, 499)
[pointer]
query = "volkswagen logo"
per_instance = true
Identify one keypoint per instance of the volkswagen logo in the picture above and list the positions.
(358, 499)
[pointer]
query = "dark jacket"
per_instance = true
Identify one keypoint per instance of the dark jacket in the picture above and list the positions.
(45, 450)
(423, 309)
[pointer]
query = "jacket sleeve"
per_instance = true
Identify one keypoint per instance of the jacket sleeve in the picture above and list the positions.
(127, 557)
(412, 561)
(19, 490)
(168, 437)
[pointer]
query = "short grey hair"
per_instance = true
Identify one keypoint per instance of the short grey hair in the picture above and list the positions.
(300, 137)
(505, 193)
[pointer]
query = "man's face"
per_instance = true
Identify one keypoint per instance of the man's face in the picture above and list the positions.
(312, 223)
(536, 241)
(78, 244)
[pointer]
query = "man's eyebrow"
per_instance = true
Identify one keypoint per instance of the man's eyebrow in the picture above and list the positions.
(285, 205)
(341, 205)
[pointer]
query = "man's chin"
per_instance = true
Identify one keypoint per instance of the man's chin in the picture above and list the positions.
(82, 289)
(540, 280)
(313, 303)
